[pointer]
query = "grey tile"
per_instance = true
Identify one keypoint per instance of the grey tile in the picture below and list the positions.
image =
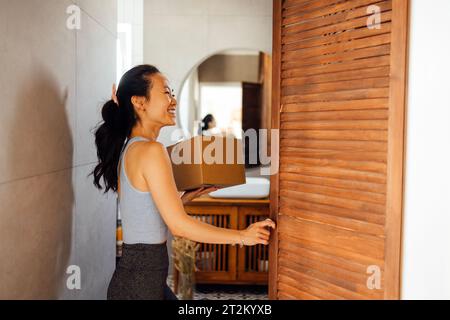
(36, 233)
(96, 64)
(180, 42)
(94, 238)
(52, 216)
(239, 7)
(104, 12)
(38, 111)
(175, 7)
(230, 32)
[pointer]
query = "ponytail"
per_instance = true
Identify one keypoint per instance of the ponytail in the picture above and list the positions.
(118, 122)
(109, 139)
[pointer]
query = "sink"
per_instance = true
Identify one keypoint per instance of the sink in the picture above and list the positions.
(254, 188)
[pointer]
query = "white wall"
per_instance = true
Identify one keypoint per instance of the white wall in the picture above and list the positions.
(426, 235)
(131, 16)
(180, 34)
(189, 99)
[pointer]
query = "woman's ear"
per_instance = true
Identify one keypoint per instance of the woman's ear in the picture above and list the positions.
(138, 103)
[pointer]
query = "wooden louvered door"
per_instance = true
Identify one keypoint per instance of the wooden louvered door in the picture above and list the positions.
(339, 102)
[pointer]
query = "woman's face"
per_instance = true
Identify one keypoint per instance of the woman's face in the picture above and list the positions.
(212, 124)
(161, 107)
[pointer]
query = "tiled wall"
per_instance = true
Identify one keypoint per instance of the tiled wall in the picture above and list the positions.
(52, 82)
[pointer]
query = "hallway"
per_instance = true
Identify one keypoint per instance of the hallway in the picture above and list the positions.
(351, 95)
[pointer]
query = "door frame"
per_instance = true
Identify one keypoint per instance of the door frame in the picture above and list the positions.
(275, 115)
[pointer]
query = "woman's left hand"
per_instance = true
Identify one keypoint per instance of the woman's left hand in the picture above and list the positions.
(191, 195)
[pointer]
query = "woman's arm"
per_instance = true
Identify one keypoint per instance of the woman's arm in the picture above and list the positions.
(191, 195)
(157, 170)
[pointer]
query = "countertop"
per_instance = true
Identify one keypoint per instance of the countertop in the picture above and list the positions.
(206, 199)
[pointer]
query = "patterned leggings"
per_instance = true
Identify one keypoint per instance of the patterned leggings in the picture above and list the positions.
(141, 274)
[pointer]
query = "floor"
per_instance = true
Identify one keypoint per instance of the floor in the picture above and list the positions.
(227, 292)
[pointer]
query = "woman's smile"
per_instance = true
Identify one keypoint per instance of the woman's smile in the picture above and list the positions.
(173, 112)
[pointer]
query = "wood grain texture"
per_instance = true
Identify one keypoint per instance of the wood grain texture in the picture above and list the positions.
(275, 124)
(339, 102)
(395, 187)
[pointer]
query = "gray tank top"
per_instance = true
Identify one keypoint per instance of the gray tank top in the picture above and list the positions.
(141, 220)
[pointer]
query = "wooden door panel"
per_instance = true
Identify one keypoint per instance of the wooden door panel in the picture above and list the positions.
(252, 112)
(339, 102)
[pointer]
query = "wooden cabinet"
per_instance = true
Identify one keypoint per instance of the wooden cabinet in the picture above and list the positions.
(253, 262)
(230, 264)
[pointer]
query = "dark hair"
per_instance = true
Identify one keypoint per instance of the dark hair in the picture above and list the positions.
(206, 121)
(118, 121)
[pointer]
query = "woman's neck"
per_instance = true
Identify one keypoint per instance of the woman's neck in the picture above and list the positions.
(149, 132)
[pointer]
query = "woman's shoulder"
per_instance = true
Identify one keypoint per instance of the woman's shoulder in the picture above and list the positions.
(152, 160)
(150, 150)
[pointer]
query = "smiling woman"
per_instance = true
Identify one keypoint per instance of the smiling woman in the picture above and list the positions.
(137, 167)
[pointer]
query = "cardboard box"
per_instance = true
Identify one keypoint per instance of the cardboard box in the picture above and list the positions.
(204, 161)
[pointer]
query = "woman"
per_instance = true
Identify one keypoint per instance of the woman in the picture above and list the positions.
(208, 125)
(137, 167)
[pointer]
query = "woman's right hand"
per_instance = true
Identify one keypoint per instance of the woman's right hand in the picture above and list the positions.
(257, 233)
